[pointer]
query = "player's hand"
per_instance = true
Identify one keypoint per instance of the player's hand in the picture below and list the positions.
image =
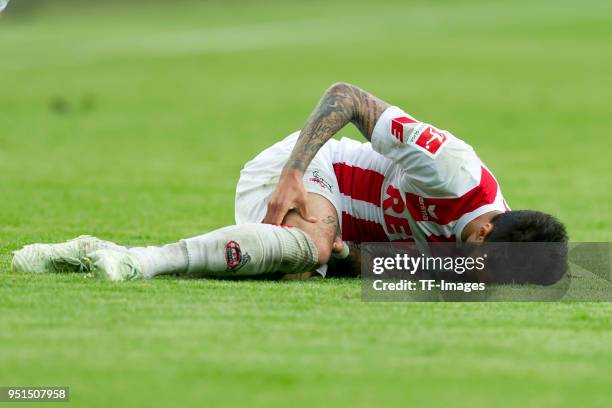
(340, 249)
(289, 195)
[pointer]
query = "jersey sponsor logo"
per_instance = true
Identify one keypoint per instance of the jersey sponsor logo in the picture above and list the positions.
(443, 211)
(234, 257)
(431, 140)
(394, 214)
(432, 211)
(397, 127)
(440, 213)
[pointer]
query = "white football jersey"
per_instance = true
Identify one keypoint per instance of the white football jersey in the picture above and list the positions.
(413, 183)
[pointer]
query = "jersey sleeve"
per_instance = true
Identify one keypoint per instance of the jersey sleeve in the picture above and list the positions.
(434, 162)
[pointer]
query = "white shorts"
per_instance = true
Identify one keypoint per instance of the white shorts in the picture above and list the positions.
(259, 177)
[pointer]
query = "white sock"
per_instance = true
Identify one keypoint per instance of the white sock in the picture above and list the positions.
(251, 249)
(167, 259)
(237, 250)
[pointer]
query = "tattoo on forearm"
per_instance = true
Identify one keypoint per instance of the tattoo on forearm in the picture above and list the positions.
(341, 104)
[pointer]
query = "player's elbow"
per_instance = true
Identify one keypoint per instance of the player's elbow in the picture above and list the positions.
(339, 88)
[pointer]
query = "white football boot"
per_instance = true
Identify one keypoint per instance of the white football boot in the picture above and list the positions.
(69, 256)
(115, 265)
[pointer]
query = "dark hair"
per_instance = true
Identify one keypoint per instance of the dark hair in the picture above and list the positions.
(526, 226)
(539, 252)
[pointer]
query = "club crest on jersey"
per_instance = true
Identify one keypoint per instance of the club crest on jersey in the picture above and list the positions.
(317, 178)
(234, 257)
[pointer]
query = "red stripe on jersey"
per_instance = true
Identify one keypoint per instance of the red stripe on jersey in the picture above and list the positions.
(358, 230)
(358, 183)
(444, 210)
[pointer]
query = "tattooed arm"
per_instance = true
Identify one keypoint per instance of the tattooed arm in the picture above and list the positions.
(341, 103)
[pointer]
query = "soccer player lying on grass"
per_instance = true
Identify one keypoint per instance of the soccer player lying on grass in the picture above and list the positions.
(308, 196)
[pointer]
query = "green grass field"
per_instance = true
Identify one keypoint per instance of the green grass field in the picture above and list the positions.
(131, 122)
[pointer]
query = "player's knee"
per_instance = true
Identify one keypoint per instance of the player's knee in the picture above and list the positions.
(321, 234)
(324, 251)
(323, 241)
(321, 238)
